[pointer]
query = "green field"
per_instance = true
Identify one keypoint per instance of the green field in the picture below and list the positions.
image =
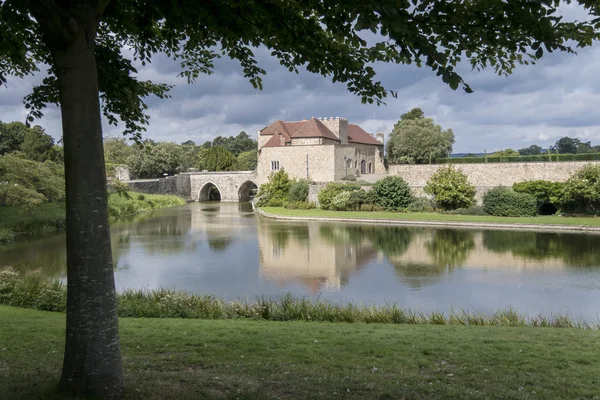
(242, 359)
(381, 215)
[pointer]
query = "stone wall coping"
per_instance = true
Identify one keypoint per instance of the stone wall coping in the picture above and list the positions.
(446, 224)
(219, 173)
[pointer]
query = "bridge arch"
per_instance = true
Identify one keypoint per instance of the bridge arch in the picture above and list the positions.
(245, 190)
(209, 191)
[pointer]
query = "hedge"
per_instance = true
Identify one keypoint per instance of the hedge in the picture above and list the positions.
(538, 158)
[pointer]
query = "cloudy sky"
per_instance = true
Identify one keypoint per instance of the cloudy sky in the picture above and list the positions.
(536, 105)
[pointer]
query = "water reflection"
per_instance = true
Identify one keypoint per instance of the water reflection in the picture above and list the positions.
(226, 250)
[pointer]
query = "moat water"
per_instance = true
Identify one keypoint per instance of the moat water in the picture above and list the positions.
(226, 250)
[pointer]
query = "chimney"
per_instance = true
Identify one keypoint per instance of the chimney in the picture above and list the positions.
(338, 126)
(380, 136)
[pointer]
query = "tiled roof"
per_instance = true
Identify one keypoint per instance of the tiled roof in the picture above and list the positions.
(275, 127)
(314, 128)
(275, 140)
(300, 129)
(356, 134)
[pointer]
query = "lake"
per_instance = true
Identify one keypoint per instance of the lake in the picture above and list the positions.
(226, 250)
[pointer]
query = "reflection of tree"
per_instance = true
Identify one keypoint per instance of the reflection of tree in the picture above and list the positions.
(219, 244)
(417, 275)
(450, 247)
(574, 249)
(46, 254)
(163, 234)
(391, 240)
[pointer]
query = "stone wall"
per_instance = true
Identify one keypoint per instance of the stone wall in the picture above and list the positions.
(293, 160)
(485, 176)
(178, 185)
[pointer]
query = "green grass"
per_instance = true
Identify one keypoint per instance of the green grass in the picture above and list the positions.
(242, 359)
(379, 215)
(34, 291)
(47, 218)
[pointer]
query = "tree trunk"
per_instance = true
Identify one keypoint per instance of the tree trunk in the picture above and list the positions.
(92, 362)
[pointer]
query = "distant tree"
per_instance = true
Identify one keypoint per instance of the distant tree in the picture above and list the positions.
(505, 153)
(532, 150)
(420, 139)
(153, 160)
(116, 150)
(566, 145)
(188, 143)
(247, 160)
(28, 182)
(37, 144)
(12, 135)
(217, 158)
(242, 143)
(415, 113)
(207, 144)
(189, 156)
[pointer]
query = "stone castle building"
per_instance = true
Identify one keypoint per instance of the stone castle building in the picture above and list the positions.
(320, 150)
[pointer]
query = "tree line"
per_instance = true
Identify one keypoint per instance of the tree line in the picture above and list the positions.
(152, 159)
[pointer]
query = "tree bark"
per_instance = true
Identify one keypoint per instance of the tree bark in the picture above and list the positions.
(92, 361)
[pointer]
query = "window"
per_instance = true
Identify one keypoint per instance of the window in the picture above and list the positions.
(349, 163)
(274, 165)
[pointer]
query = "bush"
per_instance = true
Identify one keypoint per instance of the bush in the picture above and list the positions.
(277, 188)
(420, 204)
(341, 201)
(546, 193)
(473, 210)
(392, 193)
(141, 197)
(298, 191)
(505, 202)
(275, 203)
(357, 199)
(450, 188)
(581, 192)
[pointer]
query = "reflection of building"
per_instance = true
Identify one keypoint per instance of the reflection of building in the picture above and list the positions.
(298, 254)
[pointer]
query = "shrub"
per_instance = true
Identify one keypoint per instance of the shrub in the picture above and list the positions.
(275, 203)
(546, 193)
(277, 188)
(473, 210)
(120, 188)
(392, 193)
(504, 202)
(420, 204)
(341, 201)
(450, 188)
(581, 192)
(327, 194)
(357, 199)
(141, 197)
(298, 191)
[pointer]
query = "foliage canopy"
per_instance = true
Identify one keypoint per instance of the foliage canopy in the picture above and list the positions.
(418, 140)
(451, 188)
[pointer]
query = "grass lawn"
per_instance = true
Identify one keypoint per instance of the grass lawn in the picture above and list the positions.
(539, 220)
(193, 359)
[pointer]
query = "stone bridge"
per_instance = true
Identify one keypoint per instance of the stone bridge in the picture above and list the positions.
(231, 186)
(235, 186)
